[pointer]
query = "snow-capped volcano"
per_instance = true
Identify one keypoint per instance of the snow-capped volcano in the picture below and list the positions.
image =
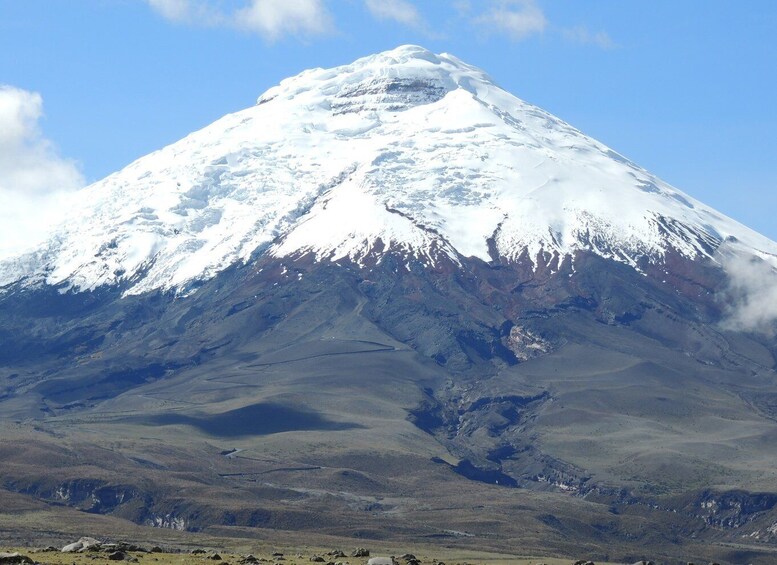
(405, 151)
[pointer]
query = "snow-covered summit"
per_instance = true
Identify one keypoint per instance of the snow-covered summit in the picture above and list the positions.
(405, 150)
(390, 81)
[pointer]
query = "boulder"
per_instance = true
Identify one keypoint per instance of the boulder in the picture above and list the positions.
(117, 556)
(14, 558)
(83, 544)
(127, 547)
(360, 552)
(215, 557)
(317, 559)
(381, 561)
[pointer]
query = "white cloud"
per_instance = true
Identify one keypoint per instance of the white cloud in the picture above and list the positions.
(751, 296)
(517, 19)
(33, 177)
(271, 19)
(400, 11)
(583, 36)
(275, 18)
(173, 10)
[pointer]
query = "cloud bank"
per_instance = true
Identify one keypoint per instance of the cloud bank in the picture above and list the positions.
(34, 179)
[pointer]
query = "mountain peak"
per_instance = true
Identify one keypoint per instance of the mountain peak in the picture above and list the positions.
(404, 151)
(392, 80)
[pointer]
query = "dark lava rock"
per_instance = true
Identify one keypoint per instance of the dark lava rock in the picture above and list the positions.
(360, 552)
(215, 557)
(126, 547)
(198, 551)
(317, 559)
(117, 556)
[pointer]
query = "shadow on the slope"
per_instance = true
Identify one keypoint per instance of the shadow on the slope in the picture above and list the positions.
(254, 420)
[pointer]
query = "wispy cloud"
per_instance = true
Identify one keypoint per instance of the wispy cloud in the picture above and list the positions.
(751, 295)
(462, 7)
(33, 177)
(518, 19)
(173, 10)
(275, 18)
(199, 12)
(400, 11)
(583, 36)
(272, 19)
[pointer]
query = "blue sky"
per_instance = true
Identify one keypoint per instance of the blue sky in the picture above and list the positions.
(687, 89)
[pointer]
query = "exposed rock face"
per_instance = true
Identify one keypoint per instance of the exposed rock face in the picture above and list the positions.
(526, 344)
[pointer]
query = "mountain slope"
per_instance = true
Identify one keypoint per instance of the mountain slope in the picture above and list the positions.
(405, 150)
(386, 267)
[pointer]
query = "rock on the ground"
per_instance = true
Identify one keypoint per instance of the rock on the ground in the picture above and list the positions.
(117, 556)
(14, 558)
(83, 544)
(360, 552)
(380, 561)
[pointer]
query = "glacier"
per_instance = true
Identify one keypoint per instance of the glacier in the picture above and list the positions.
(405, 151)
